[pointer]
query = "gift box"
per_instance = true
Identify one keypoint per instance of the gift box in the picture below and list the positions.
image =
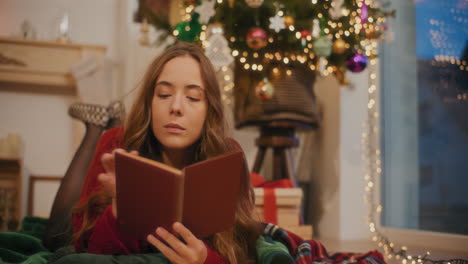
(282, 206)
(286, 210)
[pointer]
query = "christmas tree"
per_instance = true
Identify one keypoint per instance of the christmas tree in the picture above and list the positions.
(327, 36)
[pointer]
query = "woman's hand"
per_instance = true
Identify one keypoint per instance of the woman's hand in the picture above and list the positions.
(191, 252)
(107, 178)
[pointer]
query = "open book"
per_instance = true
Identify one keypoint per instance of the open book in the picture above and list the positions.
(202, 196)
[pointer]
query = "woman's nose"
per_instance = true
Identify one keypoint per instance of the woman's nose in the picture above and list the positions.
(176, 105)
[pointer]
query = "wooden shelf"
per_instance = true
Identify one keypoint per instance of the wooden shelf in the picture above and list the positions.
(42, 63)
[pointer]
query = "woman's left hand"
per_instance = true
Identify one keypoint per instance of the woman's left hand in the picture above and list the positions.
(191, 252)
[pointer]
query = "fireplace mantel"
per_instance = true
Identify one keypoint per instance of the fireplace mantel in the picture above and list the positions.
(42, 63)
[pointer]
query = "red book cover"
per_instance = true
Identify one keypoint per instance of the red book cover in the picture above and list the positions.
(202, 196)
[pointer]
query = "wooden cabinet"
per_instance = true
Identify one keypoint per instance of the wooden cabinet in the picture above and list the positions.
(10, 193)
(42, 62)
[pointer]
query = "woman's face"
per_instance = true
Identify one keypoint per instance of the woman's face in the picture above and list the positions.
(179, 104)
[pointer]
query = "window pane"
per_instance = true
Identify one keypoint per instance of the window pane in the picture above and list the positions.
(425, 117)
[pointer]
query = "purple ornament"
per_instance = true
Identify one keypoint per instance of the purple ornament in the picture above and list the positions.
(356, 62)
(364, 13)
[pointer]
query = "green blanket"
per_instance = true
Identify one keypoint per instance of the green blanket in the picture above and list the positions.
(25, 247)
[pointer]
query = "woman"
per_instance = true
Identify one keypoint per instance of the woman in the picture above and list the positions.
(178, 119)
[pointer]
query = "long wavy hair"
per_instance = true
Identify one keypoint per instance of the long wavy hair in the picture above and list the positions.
(236, 244)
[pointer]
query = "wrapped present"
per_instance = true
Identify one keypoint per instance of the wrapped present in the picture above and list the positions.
(279, 206)
(279, 203)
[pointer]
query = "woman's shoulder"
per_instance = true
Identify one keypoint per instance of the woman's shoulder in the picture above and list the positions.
(234, 144)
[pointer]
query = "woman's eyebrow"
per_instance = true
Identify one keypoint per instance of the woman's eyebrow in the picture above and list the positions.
(166, 83)
(189, 86)
(194, 86)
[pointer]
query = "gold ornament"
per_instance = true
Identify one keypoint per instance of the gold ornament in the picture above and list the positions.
(372, 33)
(288, 21)
(340, 75)
(254, 3)
(339, 46)
(264, 90)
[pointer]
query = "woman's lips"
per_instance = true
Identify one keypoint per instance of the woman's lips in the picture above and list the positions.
(174, 128)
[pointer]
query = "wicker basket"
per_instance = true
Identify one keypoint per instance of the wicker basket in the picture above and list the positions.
(293, 97)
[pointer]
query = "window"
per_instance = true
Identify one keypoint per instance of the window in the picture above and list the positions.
(424, 121)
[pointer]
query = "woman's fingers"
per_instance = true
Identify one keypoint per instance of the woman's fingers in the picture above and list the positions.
(196, 249)
(108, 181)
(185, 233)
(107, 161)
(167, 251)
(172, 240)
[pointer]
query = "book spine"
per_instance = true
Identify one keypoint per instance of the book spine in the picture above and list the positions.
(180, 199)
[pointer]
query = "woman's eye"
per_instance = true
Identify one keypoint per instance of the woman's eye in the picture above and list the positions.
(193, 99)
(163, 95)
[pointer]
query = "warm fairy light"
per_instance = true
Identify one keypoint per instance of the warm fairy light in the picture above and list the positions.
(286, 60)
(288, 72)
(255, 55)
(275, 71)
(254, 67)
(243, 59)
(235, 53)
(314, 2)
(280, 13)
(227, 77)
(260, 67)
(175, 32)
(291, 27)
(232, 39)
(319, 15)
(246, 66)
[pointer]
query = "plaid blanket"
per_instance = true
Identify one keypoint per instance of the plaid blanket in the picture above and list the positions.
(311, 251)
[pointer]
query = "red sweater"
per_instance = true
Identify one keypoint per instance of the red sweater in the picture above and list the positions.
(105, 238)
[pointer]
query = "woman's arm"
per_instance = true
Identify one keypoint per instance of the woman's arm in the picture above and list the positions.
(107, 239)
(108, 141)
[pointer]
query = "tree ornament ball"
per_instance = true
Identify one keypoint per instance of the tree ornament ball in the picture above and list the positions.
(323, 46)
(254, 3)
(188, 31)
(264, 90)
(356, 62)
(304, 33)
(339, 46)
(256, 38)
(372, 33)
(288, 21)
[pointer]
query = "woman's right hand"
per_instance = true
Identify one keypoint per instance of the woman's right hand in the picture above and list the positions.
(107, 178)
